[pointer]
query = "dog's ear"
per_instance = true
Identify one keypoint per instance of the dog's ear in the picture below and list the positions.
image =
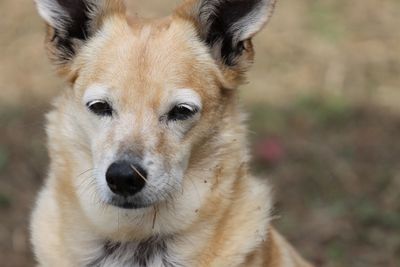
(72, 22)
(227, 26)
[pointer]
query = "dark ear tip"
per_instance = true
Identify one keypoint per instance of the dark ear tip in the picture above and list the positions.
(72, 22)
(227, 25)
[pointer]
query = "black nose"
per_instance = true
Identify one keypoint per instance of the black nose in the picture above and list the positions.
(125, 178)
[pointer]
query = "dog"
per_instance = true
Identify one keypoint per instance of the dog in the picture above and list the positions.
(147, 145)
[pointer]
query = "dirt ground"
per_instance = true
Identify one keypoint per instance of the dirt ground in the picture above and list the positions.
(323, 102)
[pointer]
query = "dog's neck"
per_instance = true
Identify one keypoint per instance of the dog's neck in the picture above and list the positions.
(150, 252)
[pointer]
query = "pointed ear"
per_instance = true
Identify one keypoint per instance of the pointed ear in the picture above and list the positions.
(72, 22)
(227, 26)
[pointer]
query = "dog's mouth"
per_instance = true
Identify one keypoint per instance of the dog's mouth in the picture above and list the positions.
(129, 203)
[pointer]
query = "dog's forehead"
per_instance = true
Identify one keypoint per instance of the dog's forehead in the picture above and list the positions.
(144, 59)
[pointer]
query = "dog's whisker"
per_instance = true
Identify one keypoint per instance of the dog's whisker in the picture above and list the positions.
(84, 172)
(88, 181)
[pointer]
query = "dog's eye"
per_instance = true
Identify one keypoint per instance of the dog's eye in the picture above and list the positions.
(182, 112)
(100, 108)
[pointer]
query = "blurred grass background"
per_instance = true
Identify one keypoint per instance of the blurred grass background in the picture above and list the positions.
(323, 101)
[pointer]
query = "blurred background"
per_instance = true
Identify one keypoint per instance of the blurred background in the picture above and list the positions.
(324, 111)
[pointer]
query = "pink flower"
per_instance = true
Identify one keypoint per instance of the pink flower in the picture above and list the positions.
(270, 150)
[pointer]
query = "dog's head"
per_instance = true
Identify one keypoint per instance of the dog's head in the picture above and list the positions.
(149, 97)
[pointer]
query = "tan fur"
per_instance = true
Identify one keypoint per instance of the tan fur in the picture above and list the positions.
(221, 214)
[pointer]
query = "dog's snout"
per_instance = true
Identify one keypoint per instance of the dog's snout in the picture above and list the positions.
(125, 178)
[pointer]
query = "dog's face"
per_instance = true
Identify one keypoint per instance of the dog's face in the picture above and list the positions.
(147, 96)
